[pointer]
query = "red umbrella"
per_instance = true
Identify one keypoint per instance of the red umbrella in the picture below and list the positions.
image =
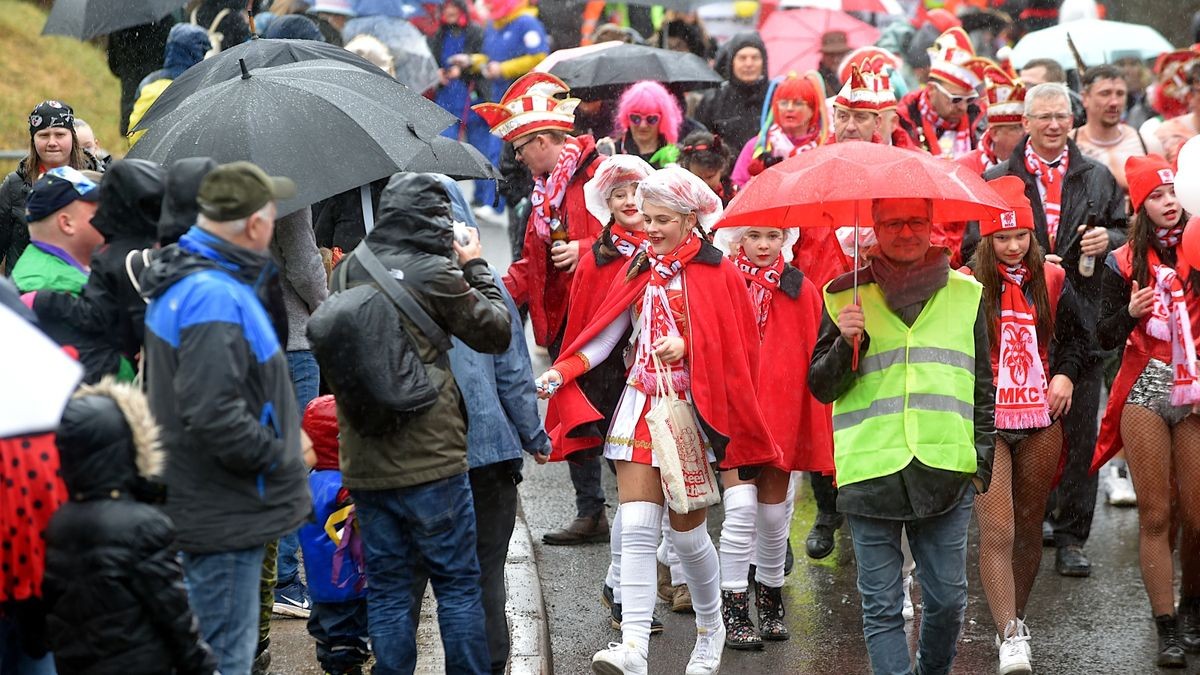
(874, 6)
(834, 185)
(793, 37)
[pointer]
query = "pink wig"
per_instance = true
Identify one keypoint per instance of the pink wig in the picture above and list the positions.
(650, 98)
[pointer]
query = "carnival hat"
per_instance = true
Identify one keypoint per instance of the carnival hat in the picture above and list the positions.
(530, 106)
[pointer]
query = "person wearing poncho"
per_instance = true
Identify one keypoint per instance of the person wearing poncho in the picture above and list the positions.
(912, 427)
(1039, 342)
(688, 306)
(793, 120)
(1150, 303)
(787, 308)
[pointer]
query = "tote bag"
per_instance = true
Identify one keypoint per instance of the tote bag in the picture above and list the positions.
(688, 480)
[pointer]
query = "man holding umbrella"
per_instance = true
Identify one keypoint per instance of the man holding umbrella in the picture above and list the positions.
(913, 429)
(559, 229)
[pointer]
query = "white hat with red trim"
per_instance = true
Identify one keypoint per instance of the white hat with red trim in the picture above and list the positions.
(530, 106)
(952, 60)
(860, 92)
(1005, 97)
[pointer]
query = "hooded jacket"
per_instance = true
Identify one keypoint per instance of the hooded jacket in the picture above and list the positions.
(186, 46)
(114, 589)
(413, 238)
(179, 207)
(110, 305)
(734, 109)
(218, 383)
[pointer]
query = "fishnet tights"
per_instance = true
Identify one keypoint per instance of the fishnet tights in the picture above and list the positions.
(1010, 521)
(1159, 457)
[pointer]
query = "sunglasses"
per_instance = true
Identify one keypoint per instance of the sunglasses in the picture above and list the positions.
(636, 119)
(955, 100)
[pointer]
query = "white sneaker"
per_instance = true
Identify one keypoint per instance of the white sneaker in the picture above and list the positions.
(1118, 486)
(1014, 650)
(706, 655)
(1023, 631)
(619, 659)
(908, 611)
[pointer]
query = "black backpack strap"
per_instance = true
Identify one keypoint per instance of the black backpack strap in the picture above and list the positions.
(402, 297)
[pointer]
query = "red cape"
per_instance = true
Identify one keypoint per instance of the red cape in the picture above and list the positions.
(533, 280)
(722, 359)
(588, 290)
(802, 425)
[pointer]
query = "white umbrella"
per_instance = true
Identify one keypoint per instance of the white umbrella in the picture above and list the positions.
(1097, 41)
(47, 377)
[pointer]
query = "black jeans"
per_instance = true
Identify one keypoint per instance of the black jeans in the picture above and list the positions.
(340, 632)
(1073, 502)
(494, 491)
(824, 491)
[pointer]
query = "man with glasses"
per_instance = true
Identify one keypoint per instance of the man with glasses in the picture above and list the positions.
(943, 117)
(560, 229)
(912, 428)
(1068, 190)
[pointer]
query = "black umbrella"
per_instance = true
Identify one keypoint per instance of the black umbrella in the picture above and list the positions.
(454, 159)
(677, 5)
(85, 19)
(257, 53)
(625, 64)
(328, 126)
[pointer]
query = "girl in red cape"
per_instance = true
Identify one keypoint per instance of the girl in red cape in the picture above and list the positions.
(1150, 301)
(787, 308)
(687, 306)
(1036, 313)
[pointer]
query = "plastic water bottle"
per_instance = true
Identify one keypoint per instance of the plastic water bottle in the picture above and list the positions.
(1087, 263)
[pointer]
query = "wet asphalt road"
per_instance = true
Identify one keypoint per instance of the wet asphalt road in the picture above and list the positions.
(1097, 625)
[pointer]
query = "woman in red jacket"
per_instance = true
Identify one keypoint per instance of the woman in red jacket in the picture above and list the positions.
(787, 309)
(687, 306)
(1150, 301)
(1036, 314)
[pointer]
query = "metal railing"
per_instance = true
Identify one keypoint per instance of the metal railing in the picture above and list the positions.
(12, 154)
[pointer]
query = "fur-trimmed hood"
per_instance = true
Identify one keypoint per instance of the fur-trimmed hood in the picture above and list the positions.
(108, 442)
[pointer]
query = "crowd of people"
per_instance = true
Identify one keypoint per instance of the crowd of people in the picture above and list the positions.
(317, 414)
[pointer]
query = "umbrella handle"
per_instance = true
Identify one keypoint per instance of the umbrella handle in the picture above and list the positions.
(854, 359)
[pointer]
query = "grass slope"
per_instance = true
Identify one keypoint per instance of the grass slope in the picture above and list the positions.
(34, 68)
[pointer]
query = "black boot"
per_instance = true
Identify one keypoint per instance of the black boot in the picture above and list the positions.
(740, 632)
(770, 613)
(1189, 624)
(1170, 651)
(820, 538)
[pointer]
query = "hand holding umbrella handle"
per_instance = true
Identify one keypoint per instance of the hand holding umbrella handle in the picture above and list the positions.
(854, 360)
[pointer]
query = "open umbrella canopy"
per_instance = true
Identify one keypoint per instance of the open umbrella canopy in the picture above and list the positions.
(1098, 42)
(559, 55)
(328, 126)
(257, 53)
(833, 185)
(415, 65)
(455, 159)
(48, 378)
(876, 6)
(677, 5)
(625, 64)
(793, 37)
(85, 19)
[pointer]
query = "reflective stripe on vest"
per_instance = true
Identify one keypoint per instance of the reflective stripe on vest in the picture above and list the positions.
(914, 394)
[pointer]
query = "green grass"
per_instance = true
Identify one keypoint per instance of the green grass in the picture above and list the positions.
(34, 68)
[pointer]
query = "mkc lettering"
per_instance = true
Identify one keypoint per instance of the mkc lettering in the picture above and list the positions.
(1019, 395)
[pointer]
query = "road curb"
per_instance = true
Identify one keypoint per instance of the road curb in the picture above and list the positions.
(529, 629)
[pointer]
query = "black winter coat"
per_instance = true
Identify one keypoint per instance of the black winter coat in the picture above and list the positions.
(733, 110)
(14, 232)
(114, 589)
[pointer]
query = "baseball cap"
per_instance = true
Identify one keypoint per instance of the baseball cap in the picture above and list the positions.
(57, 189)
(236, 190)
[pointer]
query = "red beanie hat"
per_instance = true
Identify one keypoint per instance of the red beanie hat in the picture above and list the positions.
(1145, 174)
(321, 425)
(1012, 189)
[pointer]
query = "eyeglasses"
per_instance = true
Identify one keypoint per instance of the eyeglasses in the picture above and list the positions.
(1046, 118)
(955, 100)
(791, 103)
(897, 225)
(636, 119)
(517, 150)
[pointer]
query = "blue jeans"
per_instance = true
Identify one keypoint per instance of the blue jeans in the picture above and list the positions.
(306, 380)
(939, 546)
(223, 592)
(13, 658)
(432, 524)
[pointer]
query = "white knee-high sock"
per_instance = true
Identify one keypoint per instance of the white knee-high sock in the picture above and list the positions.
(666, 552)
(773, 520)
(790, 500)
(640, 528)
(702, 571)
(737, 535)
(613, 578)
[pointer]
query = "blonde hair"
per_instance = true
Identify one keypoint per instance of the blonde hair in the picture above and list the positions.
(372, 49)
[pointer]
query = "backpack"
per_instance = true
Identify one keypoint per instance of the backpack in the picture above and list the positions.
(373, 369)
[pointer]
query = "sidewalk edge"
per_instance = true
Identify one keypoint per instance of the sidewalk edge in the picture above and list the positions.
(526, 606)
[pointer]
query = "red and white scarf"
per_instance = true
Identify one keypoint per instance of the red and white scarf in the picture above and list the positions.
(987, 147)
(656, 318)
(1169, 237)
(941, 138)
(548, 191)
(1021, 391)
(1170, 321)
(780, 145)
(764, 281)
(627, 243)
(1050, 184)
